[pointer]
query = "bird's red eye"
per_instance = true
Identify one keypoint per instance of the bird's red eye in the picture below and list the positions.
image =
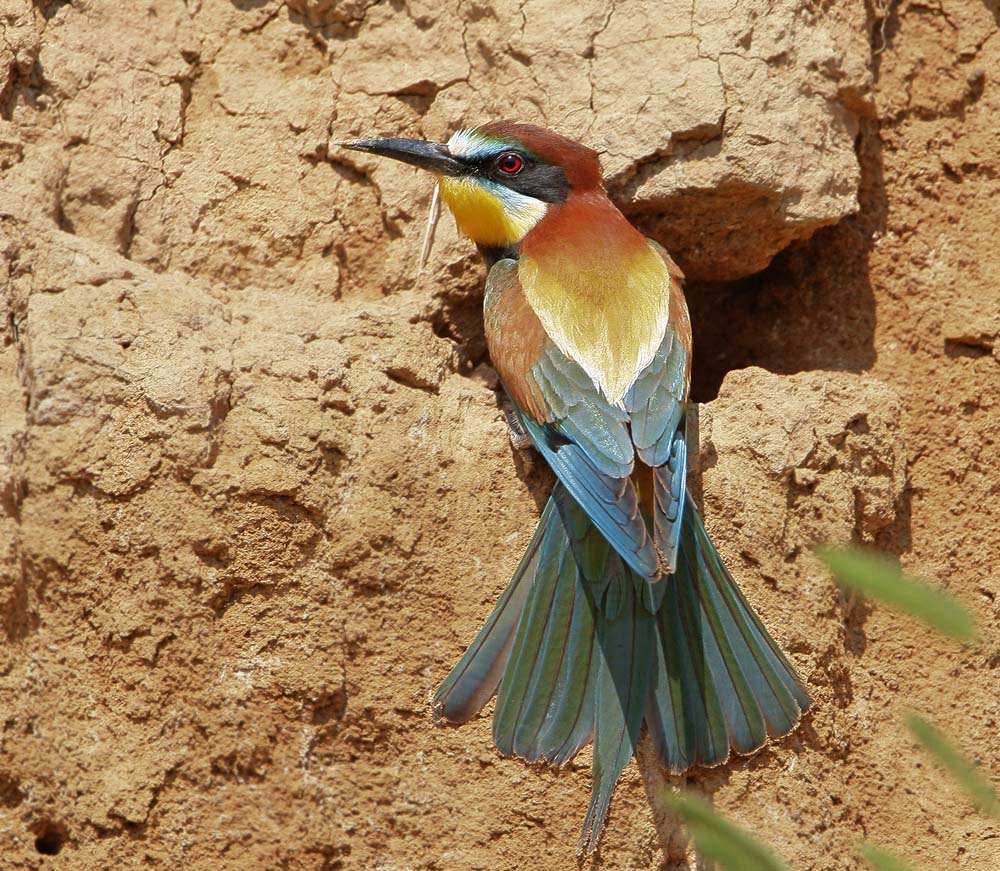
(510, 163)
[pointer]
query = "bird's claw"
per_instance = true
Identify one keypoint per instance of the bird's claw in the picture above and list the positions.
(520, 441)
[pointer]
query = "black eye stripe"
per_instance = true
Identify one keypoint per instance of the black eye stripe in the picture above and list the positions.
(485, 164)
(542, 181)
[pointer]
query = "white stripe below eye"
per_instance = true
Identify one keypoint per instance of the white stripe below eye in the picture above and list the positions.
(522, 208)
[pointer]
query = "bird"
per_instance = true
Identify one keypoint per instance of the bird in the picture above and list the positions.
(621, 615)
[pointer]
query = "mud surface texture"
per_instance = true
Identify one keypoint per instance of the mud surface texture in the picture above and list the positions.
(256, 491)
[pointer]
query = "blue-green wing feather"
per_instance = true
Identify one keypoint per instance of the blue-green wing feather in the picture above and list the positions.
(591, 446)
(587, 444)
(655, 403)
(610, 502)
(669, 489)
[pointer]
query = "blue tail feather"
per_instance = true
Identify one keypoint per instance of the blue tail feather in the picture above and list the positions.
(581, 646)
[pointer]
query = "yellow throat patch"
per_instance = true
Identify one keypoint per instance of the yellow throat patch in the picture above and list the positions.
(492, 217)
(609, 314)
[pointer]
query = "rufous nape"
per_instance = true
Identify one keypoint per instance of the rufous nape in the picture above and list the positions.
(621, 612)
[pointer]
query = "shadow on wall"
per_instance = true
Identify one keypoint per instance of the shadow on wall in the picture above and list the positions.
(812, 308)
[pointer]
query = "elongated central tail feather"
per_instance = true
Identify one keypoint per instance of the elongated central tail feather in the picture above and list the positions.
(580, 646)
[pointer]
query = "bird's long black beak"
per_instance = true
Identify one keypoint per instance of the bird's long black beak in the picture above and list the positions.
(426, 155)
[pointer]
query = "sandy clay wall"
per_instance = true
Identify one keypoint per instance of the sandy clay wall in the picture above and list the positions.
(256, 491)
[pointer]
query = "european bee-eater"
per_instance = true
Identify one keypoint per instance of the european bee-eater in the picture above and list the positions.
(621, 612)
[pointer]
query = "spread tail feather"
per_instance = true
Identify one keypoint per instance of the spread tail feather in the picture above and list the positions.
(721, 683)
(580, 647)
(626, 636)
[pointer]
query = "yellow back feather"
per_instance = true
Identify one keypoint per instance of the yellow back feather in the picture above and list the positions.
(607, 314)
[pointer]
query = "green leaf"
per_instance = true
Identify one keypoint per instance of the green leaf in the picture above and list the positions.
(880, 860)
(976, 784)
(875, 575)
(719, 840)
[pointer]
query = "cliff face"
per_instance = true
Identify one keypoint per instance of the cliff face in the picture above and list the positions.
(257, 493)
